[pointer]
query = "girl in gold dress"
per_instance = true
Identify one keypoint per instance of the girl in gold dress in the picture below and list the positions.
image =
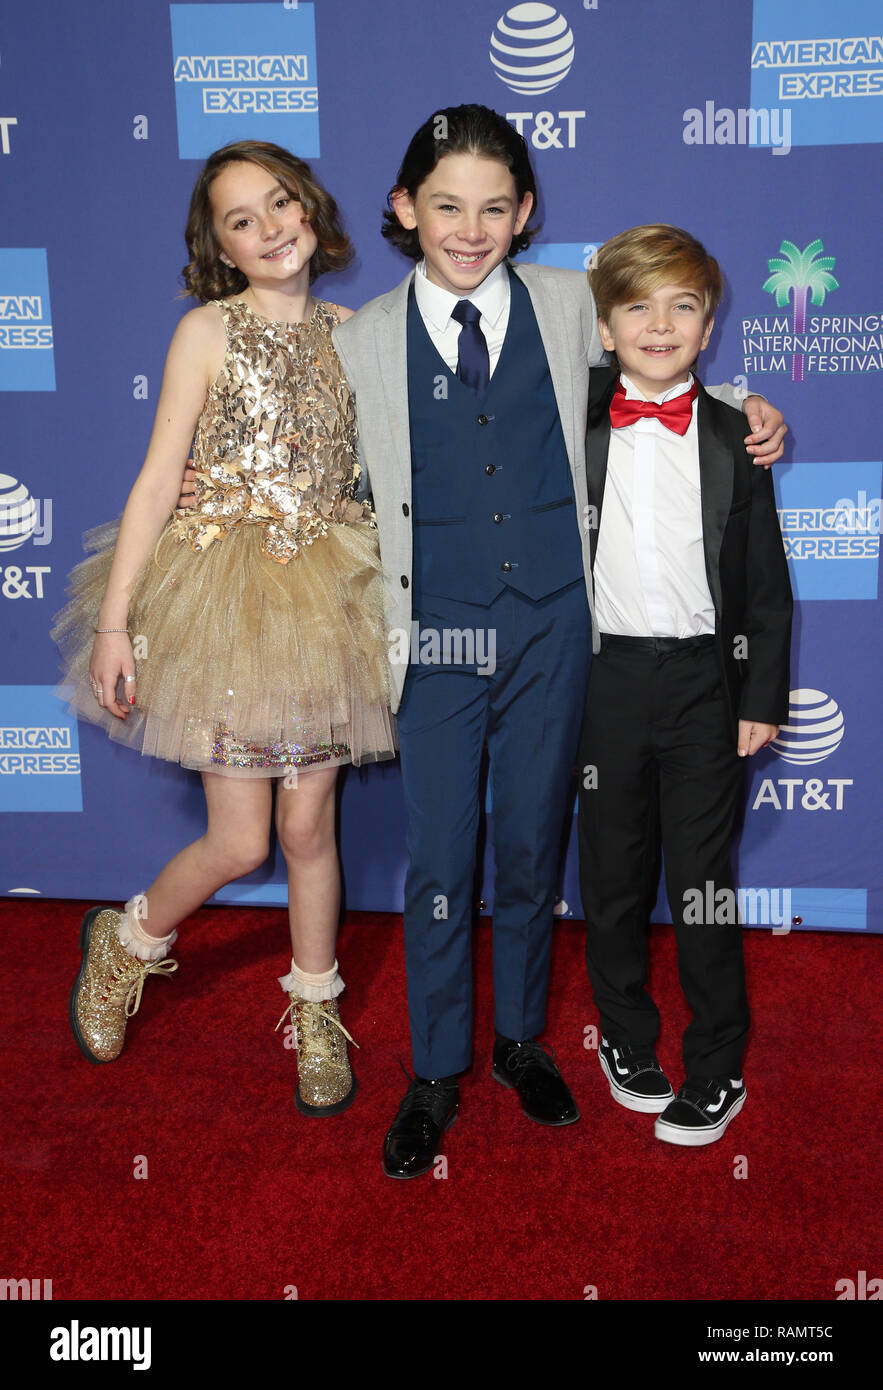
(244, 638)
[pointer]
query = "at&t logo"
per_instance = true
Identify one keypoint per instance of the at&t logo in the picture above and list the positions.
(532, 51)
(5, 123)
(814, 731)
(22, 518)
(532, 48)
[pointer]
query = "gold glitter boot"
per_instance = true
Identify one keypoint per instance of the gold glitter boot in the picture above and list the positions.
(107, 991)
(325, 1084)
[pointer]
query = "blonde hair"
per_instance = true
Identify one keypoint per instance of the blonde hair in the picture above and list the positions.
(643, 259)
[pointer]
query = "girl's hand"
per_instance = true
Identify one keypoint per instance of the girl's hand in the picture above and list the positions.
(112, 658)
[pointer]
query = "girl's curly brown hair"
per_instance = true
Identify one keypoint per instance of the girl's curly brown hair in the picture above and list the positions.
(205, 275)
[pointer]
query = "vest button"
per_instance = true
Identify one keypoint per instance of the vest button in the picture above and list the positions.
(404, 581)
(506, 567)
(490, 468)
(406, 510)
(498, 517)
(482, 419)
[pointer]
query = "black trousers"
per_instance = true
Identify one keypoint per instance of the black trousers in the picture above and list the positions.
(659, 765)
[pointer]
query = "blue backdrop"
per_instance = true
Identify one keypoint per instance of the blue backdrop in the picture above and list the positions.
(755, 126)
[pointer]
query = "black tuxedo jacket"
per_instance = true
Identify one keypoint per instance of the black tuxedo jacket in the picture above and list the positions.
(744, 555)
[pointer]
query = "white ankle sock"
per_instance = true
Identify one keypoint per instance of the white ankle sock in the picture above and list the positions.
(326, 985)
(136, 940)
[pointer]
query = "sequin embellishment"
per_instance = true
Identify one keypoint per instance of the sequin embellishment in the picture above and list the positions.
(230, 751)
(275, 444)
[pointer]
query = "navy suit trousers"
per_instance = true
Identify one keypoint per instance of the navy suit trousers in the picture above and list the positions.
(528, 709)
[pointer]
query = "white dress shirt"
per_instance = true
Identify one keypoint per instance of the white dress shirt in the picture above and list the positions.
(436, 306)
(650, 576)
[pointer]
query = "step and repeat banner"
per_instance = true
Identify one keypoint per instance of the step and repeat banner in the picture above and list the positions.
(756, 126)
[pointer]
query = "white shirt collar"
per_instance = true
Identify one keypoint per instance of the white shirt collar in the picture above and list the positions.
(633, 394)
(437, 304)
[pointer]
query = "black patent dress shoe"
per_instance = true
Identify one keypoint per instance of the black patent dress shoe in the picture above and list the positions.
(528, 1068)
(428, 1109)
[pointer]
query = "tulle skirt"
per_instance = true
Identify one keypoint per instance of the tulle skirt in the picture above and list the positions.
(244, 666)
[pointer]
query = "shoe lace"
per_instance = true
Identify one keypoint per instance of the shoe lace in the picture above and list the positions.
(531, 1054)
(420, 1097)
(127, 987)
(291, 1008)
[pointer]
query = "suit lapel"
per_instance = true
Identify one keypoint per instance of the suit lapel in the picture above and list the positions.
(391, 340)
(597, 447)
(598, 444)
(716, 482)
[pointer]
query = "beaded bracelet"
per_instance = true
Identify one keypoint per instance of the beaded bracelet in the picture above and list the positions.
(110, 629)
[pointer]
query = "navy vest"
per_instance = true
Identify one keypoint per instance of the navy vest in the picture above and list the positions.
(492, 496)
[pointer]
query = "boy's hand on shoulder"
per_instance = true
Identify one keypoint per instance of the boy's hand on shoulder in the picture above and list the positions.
(188, 488)
(753, 736)
(767, 439)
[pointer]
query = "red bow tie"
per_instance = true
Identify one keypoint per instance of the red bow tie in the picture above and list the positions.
(674, 414)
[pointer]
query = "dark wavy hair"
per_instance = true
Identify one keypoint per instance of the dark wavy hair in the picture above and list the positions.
(460, 130)
(205, 275)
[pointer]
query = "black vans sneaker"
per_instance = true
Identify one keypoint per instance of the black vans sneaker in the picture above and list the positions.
(637, 1081)
(701, 1111)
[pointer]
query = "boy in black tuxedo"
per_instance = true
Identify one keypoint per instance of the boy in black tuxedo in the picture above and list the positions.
(693, 602)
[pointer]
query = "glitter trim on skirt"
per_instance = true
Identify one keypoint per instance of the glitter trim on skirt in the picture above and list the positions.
(244, 666)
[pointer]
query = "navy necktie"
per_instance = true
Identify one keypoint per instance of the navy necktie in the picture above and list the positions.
(473, 368)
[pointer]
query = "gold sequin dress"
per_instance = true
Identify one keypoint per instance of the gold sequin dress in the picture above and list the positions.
(258, 624)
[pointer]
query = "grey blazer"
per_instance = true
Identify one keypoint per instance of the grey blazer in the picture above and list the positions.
(372, 348)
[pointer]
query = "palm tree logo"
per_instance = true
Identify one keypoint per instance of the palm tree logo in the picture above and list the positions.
(801, 273)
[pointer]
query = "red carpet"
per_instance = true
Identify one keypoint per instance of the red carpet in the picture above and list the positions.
(244, 1197)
